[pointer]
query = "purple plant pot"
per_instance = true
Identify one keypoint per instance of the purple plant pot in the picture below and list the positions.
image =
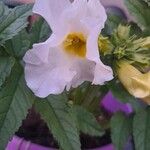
(20, 144)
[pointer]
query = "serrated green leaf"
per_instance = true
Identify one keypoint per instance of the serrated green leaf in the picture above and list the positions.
(141, 130)
(54, 111)
(6, 64)
(15, 100)
(23, 41)
(121, 128)
(86, 122)
(14, 21)
(140, 10)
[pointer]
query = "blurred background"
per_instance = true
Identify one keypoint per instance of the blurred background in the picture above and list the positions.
(107, 3)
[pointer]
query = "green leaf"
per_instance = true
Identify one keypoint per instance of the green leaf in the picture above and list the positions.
(140, 10)
(6, 64)
(40, 31)
(121, 128)
(18, 45)
(55, 112)
(15, 100)
(4, 11)
(23, 41)
(123, 95)
(141, 129)
(3, 52)
(14, 21)
(86, 122)
(88, 96)
(119, 91)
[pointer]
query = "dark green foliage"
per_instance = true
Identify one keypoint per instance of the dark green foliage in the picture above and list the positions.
(12, 21)
(55, 111)
(141, 129)
(15, 100)
(121, 128)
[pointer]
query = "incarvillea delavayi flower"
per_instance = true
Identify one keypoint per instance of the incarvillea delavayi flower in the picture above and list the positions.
(70, 56)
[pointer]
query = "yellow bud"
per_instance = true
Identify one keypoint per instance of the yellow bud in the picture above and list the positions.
(123, 32)
(105, 45)
(137, 83)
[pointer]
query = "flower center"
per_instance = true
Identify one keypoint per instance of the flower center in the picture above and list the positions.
(75, 44)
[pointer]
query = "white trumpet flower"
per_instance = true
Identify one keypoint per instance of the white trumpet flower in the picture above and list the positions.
(70, 56)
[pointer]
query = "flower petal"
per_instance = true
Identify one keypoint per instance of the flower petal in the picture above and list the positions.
(93, 17)
(97, 11)
(77, 10)
(141, 85)
(84, 71)
(102, 74)
(51, 10)
(49, 77)
(73, 15)
(94, 22)
(92, 45)
(54, 83)
(137, 83)
(38, 55)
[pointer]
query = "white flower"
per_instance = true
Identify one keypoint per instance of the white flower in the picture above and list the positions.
(70, 56)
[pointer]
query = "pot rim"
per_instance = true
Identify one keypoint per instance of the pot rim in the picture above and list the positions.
(22, 144)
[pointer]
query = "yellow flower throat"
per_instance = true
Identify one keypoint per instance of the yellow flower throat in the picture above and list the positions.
(75, 44)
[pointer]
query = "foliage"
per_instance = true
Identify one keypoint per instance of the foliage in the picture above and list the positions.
(113, 20)
(12, 20)
(54, 111)
(121, 128)
(123, 94)
(88, 96)
(15, 97)
(74, 112)
(141, 129)
(140, 10)
(86, 123)
(6, 64)
(15, 100)
(19, 44)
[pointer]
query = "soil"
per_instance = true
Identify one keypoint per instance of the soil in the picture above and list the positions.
(35, 130)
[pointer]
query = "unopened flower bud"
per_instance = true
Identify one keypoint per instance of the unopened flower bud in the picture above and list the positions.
(105, 45)
(137, 83)
(123, 32)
